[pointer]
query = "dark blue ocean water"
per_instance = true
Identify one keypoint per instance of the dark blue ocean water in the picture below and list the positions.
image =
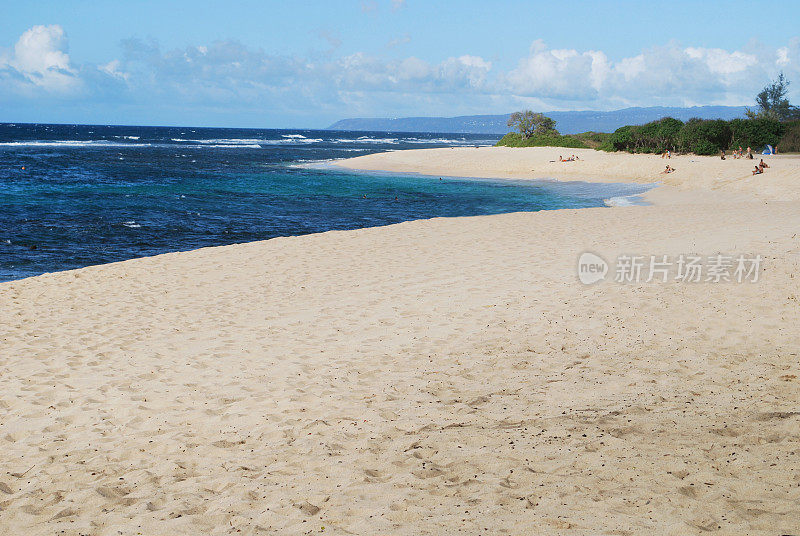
(77, 195)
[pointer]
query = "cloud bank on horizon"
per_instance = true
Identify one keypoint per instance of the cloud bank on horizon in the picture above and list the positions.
(228, 77)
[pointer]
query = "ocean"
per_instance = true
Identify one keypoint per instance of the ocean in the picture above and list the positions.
(78, 195)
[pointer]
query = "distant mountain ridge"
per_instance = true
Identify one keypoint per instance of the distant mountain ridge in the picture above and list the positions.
(567, 122)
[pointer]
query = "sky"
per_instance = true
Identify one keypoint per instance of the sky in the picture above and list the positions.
(306, 64)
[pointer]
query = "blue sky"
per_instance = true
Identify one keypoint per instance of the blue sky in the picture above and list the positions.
(306, 64)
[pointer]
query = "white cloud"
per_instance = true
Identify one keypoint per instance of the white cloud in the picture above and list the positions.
(465, 71)
(360, 72)
(721, 61)
(783, 56)
(112, 69)
(558, 73)
(40, 61)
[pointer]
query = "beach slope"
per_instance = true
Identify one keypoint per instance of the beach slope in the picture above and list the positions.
(447, 376)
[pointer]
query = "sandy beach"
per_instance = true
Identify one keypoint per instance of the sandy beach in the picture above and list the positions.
(445, 376)
(700, 178)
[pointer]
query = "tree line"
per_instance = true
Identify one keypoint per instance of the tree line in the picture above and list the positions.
(698, 136)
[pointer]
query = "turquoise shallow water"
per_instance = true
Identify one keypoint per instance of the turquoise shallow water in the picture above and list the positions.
(97, 194)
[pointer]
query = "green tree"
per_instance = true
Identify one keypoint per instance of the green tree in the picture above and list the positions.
(529, 124)
(756, 133)
(773, 104)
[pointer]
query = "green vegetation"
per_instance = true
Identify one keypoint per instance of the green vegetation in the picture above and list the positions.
(654, 137)
(593, 140)
(513, 139)
(698, 136)
(584, 140)
(790, 142)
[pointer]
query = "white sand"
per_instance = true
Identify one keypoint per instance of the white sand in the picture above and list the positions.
(433, 377)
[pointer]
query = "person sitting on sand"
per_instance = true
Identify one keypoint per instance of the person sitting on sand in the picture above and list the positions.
(574, 157)
(763, 164)
(749, 153)
(722, 155)
(758, 171)
(668, 169)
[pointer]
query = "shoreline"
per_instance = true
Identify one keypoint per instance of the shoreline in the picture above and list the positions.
(438, 376)
(696, 179)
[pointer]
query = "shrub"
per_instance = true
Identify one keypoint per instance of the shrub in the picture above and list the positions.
(593, 140)
(705, 147)
(704, 137)
(658, 136)
(756, 133)
(514, 139)
(621, 139)
(790, 142)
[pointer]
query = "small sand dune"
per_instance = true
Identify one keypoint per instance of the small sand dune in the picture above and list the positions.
(448, 376)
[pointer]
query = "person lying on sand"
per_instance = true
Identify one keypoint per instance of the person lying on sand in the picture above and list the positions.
(570, 159)
(668, 169)
(758, 171)
(575, 157)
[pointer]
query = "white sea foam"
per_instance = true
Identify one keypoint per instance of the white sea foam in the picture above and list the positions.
(233, 146)
(292, 141)
(131, 224)
(623, 201)
(72, 143)
(414, 140)
(246, 142)
(365, 139)
(221, 141)
(228, 141)
(295, 136)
